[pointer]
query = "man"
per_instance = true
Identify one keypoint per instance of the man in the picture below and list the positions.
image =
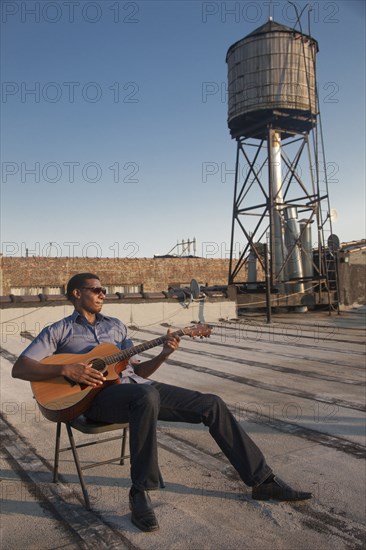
(142, 402)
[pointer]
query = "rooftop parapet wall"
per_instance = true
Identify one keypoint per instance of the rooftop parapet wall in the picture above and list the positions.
(22, 320)
(155, 274)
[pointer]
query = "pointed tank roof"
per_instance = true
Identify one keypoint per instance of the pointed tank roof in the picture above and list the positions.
(272, 26)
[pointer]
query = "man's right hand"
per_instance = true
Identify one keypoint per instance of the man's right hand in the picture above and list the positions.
(26, 368)
(83, 373)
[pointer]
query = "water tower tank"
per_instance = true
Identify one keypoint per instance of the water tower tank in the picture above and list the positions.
(272, 81)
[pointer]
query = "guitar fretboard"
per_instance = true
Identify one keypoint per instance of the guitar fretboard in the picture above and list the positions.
(130, 352)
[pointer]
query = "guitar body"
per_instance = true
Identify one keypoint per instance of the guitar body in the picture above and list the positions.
(60, 399)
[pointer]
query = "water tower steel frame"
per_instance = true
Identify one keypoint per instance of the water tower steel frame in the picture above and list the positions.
(273, 109)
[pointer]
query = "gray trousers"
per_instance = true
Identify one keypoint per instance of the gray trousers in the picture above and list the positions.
(142, 405)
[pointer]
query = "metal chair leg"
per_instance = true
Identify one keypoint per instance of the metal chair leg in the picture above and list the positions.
(78, 467)
(57, 452)
(124, 440)
(73, 447)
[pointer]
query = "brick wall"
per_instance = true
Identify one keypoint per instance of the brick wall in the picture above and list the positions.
(352, 287)
(154, 273)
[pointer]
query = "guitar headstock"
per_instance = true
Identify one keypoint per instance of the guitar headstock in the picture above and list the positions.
(198, 331)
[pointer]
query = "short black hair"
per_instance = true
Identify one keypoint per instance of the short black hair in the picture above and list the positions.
(77, 281)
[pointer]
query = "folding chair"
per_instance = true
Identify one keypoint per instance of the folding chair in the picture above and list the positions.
(84, 425)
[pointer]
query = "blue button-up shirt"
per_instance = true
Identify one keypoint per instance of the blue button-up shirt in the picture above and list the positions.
(74, 334)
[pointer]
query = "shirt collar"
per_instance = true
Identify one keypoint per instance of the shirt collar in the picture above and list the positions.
(76, 315)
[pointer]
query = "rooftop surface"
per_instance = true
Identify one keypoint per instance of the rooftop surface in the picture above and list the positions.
(297, 386)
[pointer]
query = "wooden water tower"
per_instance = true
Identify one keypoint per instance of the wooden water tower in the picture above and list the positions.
(281, 191)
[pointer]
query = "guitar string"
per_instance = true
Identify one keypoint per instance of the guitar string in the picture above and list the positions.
(116, 357)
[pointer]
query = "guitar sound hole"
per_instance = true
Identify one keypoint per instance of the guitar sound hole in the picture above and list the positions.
(98, 364)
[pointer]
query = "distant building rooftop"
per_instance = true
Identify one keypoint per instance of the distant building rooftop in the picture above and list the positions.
(353, 245)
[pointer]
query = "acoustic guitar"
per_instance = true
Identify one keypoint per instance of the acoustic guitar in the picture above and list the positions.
(61, 399)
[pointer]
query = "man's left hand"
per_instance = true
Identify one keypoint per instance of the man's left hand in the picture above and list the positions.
(171, 344)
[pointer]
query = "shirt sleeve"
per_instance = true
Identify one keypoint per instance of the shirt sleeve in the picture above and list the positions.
(44, 345)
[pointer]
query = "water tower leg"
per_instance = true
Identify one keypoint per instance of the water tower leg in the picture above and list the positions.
(278, 252)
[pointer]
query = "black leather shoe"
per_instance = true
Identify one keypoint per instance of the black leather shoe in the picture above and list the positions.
(278, 490)
(143, 515)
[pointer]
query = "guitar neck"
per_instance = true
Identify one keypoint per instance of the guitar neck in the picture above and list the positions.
(130, 352)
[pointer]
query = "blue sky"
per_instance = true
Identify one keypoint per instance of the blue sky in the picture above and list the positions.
(112, 111)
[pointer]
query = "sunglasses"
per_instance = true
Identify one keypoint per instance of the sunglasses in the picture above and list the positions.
(95, 289)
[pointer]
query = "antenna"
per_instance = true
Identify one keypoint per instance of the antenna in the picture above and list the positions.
(184, 248)
(298, 14)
